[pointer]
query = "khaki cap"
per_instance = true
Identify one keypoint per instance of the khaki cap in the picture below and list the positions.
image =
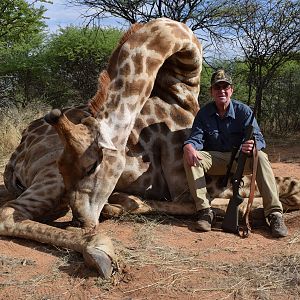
(220, 76)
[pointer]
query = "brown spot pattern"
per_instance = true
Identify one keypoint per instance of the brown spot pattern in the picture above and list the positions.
(160, 112)
(146, 110)
(154, 28)
(179, 32)
(137, 60)
(137, 40)
(151, 120)
(180, 117)
(159, 44)
(139, 124)
(123, 55)
(117, 84)
(33, 125)
(41, 129)
(190, 104)
(125, 70)
(133, 88)
(152, 65)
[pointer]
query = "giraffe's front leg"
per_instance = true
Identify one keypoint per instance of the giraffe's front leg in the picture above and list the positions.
(96, 248)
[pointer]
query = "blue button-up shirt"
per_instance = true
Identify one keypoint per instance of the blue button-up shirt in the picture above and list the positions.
(210, 132)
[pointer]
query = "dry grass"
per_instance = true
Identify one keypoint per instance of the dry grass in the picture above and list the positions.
(13, 122)
(276, 277)
(176, 271)
(280, 275)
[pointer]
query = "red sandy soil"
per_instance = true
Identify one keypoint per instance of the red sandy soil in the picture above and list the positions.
(164, 258)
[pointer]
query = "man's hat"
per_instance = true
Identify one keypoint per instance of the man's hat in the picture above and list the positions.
(220, 76)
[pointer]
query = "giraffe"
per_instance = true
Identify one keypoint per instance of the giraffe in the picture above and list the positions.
(124, 146)
(32, 174)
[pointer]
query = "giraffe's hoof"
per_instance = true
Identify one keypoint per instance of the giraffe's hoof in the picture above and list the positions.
(99, 260)
(99, 254)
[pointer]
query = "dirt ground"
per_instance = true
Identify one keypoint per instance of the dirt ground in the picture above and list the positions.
(164, 258)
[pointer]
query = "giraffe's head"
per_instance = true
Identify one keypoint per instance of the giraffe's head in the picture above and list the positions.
(80, 162)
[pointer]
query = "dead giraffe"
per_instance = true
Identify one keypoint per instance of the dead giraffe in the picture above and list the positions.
(32, 173)
(96, 156)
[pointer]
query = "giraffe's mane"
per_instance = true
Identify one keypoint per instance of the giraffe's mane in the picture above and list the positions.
(101, 95)
(106, 75)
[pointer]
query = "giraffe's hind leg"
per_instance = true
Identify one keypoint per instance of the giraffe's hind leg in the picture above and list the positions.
(121, 203)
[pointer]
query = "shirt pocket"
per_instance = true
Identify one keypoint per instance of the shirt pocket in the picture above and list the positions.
(213, 137)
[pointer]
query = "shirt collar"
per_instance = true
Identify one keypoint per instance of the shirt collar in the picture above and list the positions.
(229, 113)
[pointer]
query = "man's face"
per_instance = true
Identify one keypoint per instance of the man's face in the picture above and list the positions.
(221, 92)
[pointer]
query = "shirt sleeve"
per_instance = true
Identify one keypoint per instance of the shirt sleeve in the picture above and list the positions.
(196, 138)
(257, 134)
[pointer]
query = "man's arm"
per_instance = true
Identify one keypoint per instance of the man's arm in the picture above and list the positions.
(194, 143)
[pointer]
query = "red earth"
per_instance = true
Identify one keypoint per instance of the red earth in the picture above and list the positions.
(162, 257)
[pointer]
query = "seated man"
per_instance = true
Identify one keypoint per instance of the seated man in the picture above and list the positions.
(218, 127)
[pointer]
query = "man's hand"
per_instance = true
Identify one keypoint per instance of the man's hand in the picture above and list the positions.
(247, 146)
(191, 156)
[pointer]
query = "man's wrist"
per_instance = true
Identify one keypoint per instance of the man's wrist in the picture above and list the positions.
(188, 147)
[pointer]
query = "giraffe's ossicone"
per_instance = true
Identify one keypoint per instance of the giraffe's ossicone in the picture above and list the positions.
(120, 152)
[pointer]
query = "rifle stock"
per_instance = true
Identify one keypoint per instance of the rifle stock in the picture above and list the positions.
(231, 219)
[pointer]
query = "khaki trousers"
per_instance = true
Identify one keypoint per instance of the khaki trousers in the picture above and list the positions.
(215, 163)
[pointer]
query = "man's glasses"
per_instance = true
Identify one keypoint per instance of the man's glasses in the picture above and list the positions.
(219, 87)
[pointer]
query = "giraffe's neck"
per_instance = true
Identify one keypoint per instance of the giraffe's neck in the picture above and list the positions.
(137, 65)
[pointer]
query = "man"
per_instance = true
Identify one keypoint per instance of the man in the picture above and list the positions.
(219, 126)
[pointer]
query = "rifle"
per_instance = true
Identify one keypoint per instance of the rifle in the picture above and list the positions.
(234, 152)
(231, 219)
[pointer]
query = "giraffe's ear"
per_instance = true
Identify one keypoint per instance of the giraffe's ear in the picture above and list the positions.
(103, 137)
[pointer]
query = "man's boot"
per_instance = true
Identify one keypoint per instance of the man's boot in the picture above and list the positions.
(205, 219)
(277, 226)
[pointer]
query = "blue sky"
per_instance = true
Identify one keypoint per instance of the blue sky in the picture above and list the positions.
(62, 14)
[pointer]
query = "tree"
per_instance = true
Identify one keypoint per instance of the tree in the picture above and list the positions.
(281, 104)
(19, 18)
(21, 25)
(205, 17)
(268, 33)
(75, 58)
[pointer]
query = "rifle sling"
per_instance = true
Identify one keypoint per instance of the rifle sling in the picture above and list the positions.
(247, 228)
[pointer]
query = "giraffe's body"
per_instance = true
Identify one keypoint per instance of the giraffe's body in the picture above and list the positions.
(128, 140)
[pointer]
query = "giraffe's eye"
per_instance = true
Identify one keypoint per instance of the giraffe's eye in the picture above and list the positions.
(92, 168)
